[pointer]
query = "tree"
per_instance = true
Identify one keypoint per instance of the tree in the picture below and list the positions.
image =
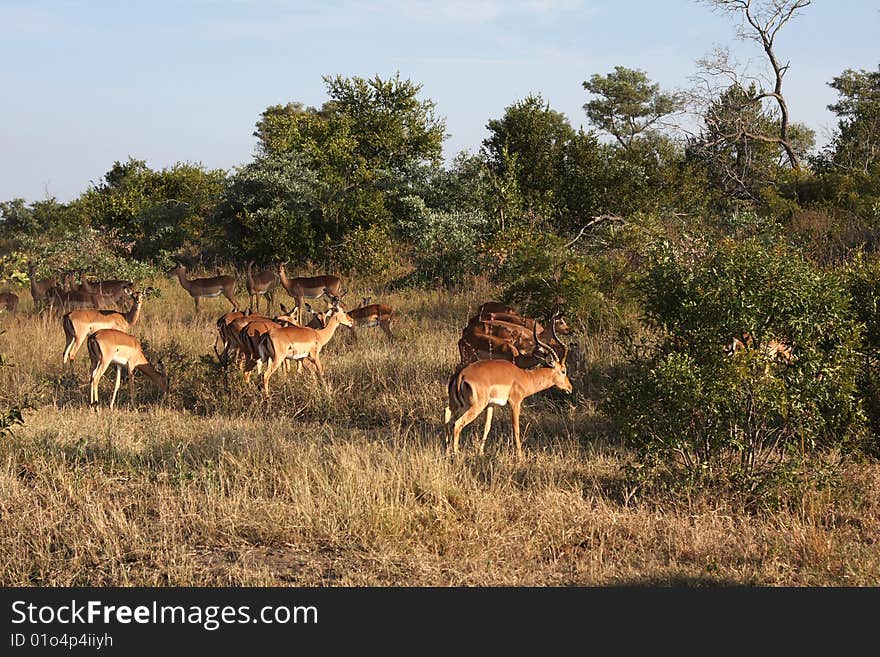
(761, 21)
(155, 211)
(529, 141)
(363, 145)
(269, 210)
(628, 104)
(856, 144)
(738, 163)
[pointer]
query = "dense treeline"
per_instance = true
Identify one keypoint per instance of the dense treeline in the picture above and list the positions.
(676, 239)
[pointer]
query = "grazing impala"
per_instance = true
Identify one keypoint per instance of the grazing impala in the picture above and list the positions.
(81, 323)
(40, 288)
(111, 347)
(369, 315)
(199, 288)
(309, 287)
(258, 284)
(489, 383)
(297, 343)
(223, 336)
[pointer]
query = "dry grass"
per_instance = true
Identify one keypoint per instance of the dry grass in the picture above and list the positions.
(213, 486)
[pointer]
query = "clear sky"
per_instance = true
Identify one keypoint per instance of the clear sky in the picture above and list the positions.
(85, 83)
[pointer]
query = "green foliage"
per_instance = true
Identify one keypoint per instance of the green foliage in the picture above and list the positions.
(537, 270)
(155, 210)
(367, 251)
(856, 143)
(269, 210)
(529, 141)
(446, 244)
(685, 402)
(628, 104)
(102, 254)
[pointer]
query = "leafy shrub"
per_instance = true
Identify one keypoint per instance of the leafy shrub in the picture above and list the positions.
(447, 244)
(537, 269)
(688, 405)
(99, 253)
(368, 251)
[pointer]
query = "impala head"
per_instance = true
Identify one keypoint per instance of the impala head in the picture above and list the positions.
(177, 269)
(286, 316)
(340, 314)
(548, 357)
(163, 374)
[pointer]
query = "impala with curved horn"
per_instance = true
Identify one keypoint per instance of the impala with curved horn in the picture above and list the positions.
(79, 324)
(485, 384)
(301, 288)
(200, 288)
(111, 347)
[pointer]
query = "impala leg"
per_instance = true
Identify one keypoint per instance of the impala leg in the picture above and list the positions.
(130, 373)
(68, 350)
(270, 370)
(269, 303)
(469, 416)
(489, 411)
(97, 373)
(387, 330)
(116, 387)
(514, 409)
(196, 301)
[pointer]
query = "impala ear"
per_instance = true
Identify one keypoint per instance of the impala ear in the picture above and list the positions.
(283, 309)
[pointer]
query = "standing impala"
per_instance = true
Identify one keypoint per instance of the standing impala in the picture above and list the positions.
(489, 383)
(259, 284)
(308, 287)
(114, 288)
(297, 343)
(369, 315)
(39, 288)
(79, 324)
(199, 288)
(111, 347)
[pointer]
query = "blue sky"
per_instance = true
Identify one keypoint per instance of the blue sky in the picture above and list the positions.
(83, 84)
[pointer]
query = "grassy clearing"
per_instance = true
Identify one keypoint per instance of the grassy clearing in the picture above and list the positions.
(213, 486)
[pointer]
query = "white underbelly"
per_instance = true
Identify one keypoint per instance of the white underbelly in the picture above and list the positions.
(211, 294)
(497, 401)
(118, 360)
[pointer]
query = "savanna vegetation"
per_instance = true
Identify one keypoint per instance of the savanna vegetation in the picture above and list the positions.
(721, 284)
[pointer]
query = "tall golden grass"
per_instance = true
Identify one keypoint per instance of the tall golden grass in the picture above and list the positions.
(213, 485)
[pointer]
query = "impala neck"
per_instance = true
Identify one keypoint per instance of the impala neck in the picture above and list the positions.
(160, 381)
(134, 312)
(538, 379)
(326, 333)
(283, 276)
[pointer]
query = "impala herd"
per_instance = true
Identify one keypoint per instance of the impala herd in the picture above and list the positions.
(504, 356)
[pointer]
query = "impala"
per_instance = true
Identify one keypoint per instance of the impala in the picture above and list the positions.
(495, 307)
(369, 315)
(297, 343)
(111, 347)
(199, 288)
(774, 350)
(490, 383)
(319, 319)
(116, 289)
(473, 347)
(62, 300)
(39, 288)
(222, 333)
(81, 323)
(8, 302)
(258, 284)
(301, 288)
(249, 338)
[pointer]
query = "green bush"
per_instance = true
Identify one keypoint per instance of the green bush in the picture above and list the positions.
(367, 251)
(686, 404)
